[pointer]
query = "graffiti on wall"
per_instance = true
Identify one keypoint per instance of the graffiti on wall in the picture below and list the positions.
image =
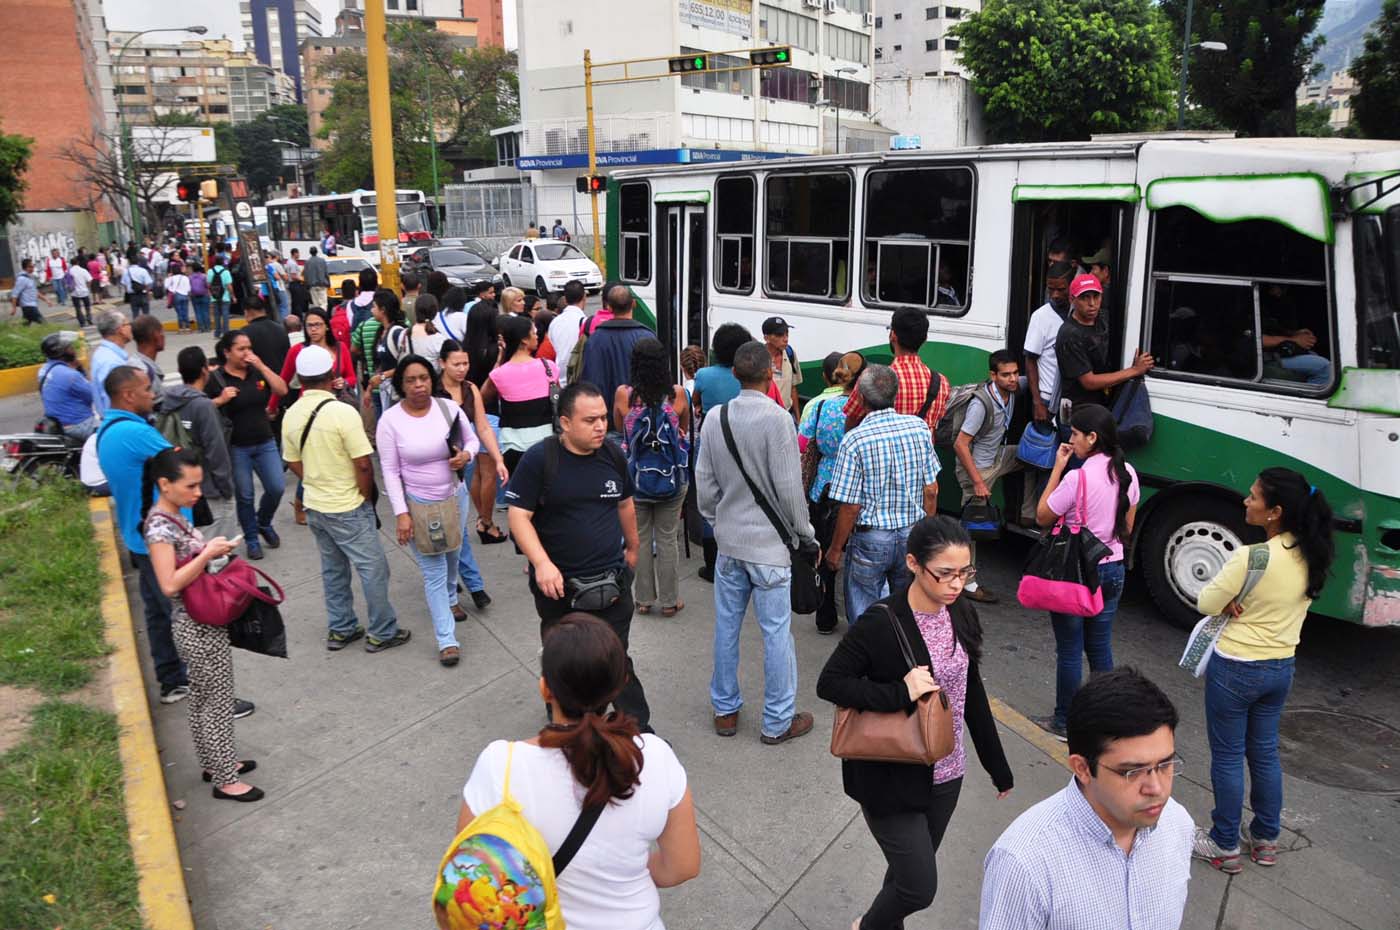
(37, 245)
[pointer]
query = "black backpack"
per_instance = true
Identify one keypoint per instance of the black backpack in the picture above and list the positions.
(216, 284)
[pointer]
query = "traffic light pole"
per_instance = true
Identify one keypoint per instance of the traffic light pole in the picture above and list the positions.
(382, 144)
(598, 258)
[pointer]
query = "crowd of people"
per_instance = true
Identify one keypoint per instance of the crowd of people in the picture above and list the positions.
(603, 459)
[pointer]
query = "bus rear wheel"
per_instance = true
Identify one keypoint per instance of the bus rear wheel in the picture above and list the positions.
(1184, 546)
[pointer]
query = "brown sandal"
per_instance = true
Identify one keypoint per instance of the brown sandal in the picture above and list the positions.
(450, 656)
(674, 609)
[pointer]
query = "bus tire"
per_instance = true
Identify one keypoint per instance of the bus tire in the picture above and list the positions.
(1184, 546)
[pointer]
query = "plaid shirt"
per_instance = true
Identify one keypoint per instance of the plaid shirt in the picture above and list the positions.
(883, 465)
(1057, 868)
(913, 377)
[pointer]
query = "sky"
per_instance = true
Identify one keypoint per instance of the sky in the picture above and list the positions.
(221, 16)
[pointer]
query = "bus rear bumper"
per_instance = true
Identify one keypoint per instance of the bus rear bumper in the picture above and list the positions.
(1382, 597)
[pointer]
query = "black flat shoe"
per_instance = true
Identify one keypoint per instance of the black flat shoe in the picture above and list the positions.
(252, 794)
(244, 767)
(481, 599)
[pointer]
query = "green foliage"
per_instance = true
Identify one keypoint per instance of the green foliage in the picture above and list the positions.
(226, 148)
(1053, 70)
(1252, 86)
(259, 158)
(1375, 110)
(176, 119)
(1314, 120)
(19, 344)
(470, 92)
(15, 152)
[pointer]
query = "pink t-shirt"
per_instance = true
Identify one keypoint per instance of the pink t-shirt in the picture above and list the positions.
(413, 453)
(1100, 501)
(517, 381)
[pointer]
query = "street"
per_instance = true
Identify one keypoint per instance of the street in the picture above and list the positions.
(363, 758)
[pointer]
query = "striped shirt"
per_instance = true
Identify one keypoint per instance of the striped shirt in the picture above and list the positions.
(1057, 867)
(884, 465)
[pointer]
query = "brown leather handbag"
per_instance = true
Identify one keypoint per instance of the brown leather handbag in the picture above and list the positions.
(920, 738)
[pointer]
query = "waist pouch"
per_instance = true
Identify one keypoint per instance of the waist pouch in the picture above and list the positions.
(594, 592)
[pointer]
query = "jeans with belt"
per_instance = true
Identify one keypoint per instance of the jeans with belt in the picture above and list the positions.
(874, 567)
(1244, 701)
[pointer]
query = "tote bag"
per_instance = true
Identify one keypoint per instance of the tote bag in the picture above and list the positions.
(1062, 574)
(1200, 645)
(222, 597)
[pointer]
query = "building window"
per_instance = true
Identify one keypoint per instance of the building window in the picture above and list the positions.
(898, 16)
(930, 45)
(931, 12)
(786, 84)
(848, 95)
(918, 237)
(807, 238)
(847, 44)
(879, 22)
(735, 199)
(391, 4)
(728, 82)
(952, 12)
(899, 48)
(634, 222)
(411, 5)
(879, 53)
(785, 27)
(1224, 313)
(951, 44)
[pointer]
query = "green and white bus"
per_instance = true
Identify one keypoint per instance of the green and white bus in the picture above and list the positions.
(1214, 242)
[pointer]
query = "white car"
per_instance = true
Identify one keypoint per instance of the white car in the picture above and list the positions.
(546, 265)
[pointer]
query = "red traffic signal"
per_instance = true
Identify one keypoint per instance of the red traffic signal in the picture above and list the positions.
(591, 184)
(187, 190)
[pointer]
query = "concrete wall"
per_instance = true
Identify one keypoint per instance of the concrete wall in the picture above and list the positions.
(36, 233)
(943, 111)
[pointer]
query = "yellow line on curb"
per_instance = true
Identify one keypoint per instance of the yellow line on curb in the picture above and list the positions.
(1018, 722)
(16, 381)
(161, 880)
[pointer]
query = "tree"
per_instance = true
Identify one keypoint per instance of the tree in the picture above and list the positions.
(15, 152)
(1252, 85)
(177, 118)
(259, 157)
(473, 92)
(1053, 70)
(1375, 110)
(1314, 120)
(97, 158)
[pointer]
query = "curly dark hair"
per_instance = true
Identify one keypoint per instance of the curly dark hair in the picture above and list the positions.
(651, 373)
(726, 342)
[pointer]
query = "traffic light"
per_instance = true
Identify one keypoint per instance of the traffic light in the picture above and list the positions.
(688, 63)
(591, 184)
(777, 56)
(209, 190)
(187, 190)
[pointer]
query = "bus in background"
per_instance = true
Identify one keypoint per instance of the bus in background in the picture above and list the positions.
(301, 222)
(1216, 253)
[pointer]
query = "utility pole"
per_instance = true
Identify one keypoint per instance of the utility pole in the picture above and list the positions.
(592, 159)
(382, 144)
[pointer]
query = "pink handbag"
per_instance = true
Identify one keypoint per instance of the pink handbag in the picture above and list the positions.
(1062, 574)
(220, 598)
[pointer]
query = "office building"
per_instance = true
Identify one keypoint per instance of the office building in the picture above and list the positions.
(912, 40)
(921, 88)
(156, 78)
(1333, 93)
(273, 31)
(490, 22)
(254, 88)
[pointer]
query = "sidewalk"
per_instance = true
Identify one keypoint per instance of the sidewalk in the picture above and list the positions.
(363, 758)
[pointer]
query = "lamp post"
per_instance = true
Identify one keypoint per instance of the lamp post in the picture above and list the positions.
(301, 182)
(1186, 46)
(836, 105)
(432, 123)
(124, 134)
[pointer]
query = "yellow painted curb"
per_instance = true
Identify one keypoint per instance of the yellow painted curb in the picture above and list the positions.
(16, 381)
(160, 877)
(1022, 726)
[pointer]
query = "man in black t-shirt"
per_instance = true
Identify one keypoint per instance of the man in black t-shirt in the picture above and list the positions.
(571, 513)
(1081, 348)
(268, 336)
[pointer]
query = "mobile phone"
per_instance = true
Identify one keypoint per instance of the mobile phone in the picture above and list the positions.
(236, 540)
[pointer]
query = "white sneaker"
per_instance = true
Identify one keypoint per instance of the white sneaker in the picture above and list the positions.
(174, 695)
(1207, 850)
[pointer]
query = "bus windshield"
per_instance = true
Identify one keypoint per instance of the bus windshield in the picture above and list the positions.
(413, 221)
(1378, 288)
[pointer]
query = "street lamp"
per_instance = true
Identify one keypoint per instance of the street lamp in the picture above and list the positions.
(301, 182)
(124, 134)
(1186, 46)
(829, 102)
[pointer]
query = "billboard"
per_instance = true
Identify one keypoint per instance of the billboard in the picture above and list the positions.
(173, 145)
(732, 16)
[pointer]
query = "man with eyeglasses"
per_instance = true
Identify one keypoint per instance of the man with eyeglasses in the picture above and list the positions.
(1112, 849)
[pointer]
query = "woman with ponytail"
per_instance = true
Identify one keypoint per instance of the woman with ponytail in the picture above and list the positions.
(1108, 486)
(178, 555)
(1250, 673)
(588, 756)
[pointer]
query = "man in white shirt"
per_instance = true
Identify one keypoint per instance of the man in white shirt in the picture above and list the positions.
(564, 330)
(82, 293)
(54, 269)
(1042, 367)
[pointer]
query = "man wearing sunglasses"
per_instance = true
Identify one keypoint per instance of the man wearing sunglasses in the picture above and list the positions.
(1112, 849)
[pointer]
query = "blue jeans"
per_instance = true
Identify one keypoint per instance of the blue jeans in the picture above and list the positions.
(267, 462)
(182, 309)
(220, 317)
(84, 429)
(349, 540)
(200, 303)
(466, 559)
(1317, 369)
(60, 293)
(874, 567)
(439, 587)
(1243, 703)
(770, 587)
(1076, 637)
(284, 303)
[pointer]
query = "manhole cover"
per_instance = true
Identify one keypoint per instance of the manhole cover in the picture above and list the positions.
(1341, 750)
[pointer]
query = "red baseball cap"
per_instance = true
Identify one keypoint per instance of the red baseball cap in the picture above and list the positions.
(1083, 283)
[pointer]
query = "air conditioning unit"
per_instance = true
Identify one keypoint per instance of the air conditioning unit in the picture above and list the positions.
(831, 6)
(869, 19)
(814, 4)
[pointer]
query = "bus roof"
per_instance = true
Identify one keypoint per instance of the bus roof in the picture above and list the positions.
(321, 198)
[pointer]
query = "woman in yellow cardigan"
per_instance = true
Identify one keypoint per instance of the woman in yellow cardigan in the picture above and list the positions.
(1251, 670)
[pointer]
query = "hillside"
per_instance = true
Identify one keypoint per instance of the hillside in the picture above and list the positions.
(1345, 23)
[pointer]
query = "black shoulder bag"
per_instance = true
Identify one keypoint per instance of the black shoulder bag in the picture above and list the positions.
(808, 590)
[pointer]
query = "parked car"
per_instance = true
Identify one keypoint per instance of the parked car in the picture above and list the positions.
(546, 265)
(471, 245)
(344, 269)
(463, 267)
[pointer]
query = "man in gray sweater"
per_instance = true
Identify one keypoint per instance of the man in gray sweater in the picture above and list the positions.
(201, 419)
(753, 562)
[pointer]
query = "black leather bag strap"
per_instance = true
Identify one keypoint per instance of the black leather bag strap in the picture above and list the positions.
(908, 650)
(763, 503)
(587, 818)
(935, 384)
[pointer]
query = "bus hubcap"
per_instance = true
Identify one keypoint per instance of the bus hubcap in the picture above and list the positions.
(1195, 554)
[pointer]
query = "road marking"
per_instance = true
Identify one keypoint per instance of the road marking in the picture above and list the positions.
(1021, 724)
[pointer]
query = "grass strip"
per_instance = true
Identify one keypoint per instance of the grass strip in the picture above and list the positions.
(19, 344)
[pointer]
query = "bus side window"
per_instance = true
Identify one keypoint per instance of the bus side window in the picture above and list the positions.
(918, 237)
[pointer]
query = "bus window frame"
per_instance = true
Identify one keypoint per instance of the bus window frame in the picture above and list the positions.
(720, 238)
(624, 236)
(793, 296)
(874, 302)
(1298, 389)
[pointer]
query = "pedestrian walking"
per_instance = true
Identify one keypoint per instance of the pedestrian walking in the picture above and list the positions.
(81, 293)
(316, 274)
(25, 296)
(389, 329)
(325, 446)
(422, 478)
(1250, 672)
(111, 352)
(177, 295)
(241, 388)
(455, 386)
(424, 338)
(201, 421)
(179, 554)
(588, 764)
(885, 480)
(200, 298)
(220, 282)
(137, 281)
(1101, 496)
(564, 328)
(907, 805)
(607, 354)
(63, 390)
(1112, 848)
(267, 335)
(753, 563)
(824, 426)
(522, 386)
(652, 413)
(572, 515)
(55, 270)
(316, 331)
(715, 385)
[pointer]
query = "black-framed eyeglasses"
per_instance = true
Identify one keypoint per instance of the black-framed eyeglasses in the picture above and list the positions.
(1167, 769)
(945, 575)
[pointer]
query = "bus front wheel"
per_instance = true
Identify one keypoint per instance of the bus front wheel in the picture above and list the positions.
(1184, 546)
